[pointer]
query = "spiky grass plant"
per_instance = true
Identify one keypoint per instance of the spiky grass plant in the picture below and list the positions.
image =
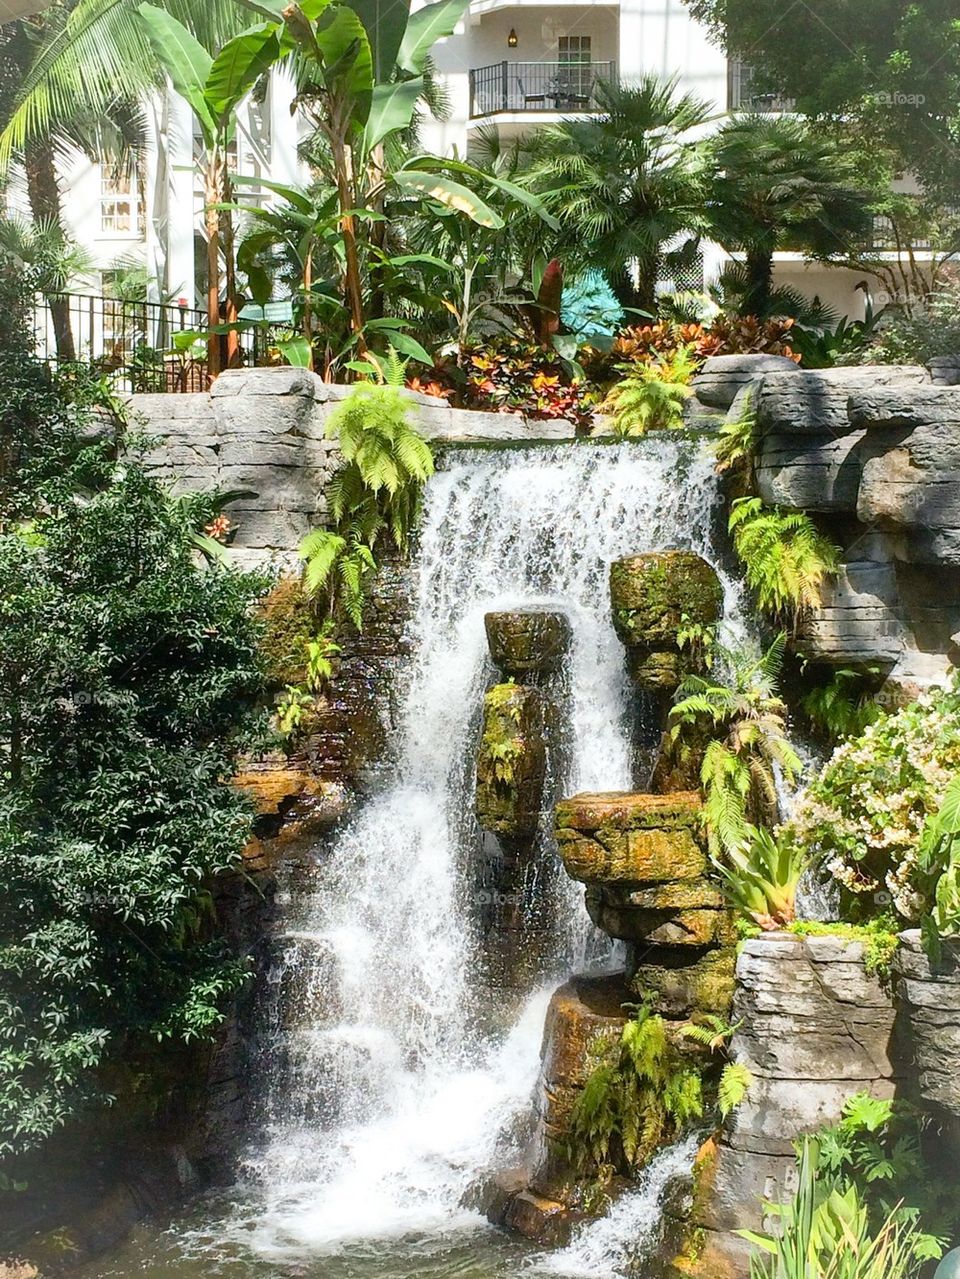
(761, 878)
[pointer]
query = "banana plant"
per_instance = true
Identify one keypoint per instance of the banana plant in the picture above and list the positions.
(214, 89)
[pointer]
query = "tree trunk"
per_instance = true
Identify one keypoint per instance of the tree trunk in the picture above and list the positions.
(348, 231)
(233, 337)
(43, 191)
(756, 299)
(213, 190)
(378, 236)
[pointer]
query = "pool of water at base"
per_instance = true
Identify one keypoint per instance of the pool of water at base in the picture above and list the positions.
(193, 1248)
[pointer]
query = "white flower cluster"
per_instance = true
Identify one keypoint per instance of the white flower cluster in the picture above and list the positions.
(862, 817)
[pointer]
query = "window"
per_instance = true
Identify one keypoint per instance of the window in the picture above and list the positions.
(120, 211)
(576, 73)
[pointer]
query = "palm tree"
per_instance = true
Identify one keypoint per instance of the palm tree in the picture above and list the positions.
(778, 183)
(626, 184)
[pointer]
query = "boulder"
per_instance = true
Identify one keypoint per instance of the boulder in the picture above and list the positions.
(631, 838)
(679, 982)
(511, 760)
(813, 402)
(527, 641)
(653, 597)
(722, 376)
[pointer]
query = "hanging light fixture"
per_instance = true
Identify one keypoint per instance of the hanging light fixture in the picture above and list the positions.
(512, 39)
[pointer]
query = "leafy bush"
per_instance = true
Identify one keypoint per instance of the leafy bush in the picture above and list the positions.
(650, 397)
(889, 1150)
(824, 1232)
(843, 706)
(130, 677)
(939, 864)
(740, 699)
(929, 329)
(640, 1095)
(509, 375)
(861, 819)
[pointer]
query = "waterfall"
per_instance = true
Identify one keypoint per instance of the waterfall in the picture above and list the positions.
(617, 1243)
(391, 1083)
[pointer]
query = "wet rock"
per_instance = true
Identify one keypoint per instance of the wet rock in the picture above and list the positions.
(631, 838)
(678, 983)
(653, 597)
(693, 916)
(527, 641)
(511, 760)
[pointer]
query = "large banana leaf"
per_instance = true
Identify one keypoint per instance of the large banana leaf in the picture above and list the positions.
(391, 109)
(481, 175)
(347, 59)
(425, 28)
(184, 59)
(451, 194)
(239, 65)
(385, 22)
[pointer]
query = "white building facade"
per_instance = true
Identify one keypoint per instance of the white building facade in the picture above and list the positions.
(511, 64)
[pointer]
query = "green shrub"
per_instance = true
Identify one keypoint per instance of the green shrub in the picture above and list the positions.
(929, 329)
(861, 819)
(130, 678)
(651, 396)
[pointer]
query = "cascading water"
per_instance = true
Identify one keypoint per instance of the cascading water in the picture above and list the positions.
(394, 1097)
(391, 1085)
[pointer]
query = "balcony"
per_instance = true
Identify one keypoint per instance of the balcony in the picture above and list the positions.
(563, 88)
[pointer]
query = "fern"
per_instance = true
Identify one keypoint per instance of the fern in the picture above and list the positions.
(785, 557)
(377, 490)
(736, 443)
(651, 396)
(735, 1083)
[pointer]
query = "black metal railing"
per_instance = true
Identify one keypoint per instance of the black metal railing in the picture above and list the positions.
(565, 87)
(743, 96)
(140, 346)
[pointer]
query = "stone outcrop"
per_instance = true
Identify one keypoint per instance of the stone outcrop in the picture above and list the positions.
(263, 430)
(538, 1201)
(643, 861)
(527, 641)
(813, 1028)
(929, 1027)
(511, 760)
(653, 597)
(874, 452)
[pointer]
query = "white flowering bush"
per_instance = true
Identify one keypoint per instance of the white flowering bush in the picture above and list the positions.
(862, 817)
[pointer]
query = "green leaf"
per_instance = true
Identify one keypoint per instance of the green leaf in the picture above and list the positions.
(518, 193)
(239, 65)
(293, 195)
(425, 28)
(448, 193)
(184, 60)
(407, 345)
(296, 351)
(391, 109)
(385, 22)
(347, 59)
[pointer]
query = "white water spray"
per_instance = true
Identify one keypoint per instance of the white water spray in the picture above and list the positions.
(389, 1093)
(616, 1243)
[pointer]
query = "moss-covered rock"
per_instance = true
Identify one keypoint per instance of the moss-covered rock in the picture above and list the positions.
(631, 838)
(673, 926)
(289, 624)
(511, 760)
(655, 597)
(678, 985)
(527, 641)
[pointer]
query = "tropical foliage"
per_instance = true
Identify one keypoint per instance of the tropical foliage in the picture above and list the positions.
(761, 878)
(784, 555)
(738, 707)
(651, 396)
(863, 817)
(131, 672)
(375, 493)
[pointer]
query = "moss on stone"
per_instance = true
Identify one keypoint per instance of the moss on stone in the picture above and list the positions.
(290, 623)
(679, 988)
(655, 595)
(527, 641)
(511, 760)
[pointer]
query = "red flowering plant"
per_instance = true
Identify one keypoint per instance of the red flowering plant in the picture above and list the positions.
(508, 374)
